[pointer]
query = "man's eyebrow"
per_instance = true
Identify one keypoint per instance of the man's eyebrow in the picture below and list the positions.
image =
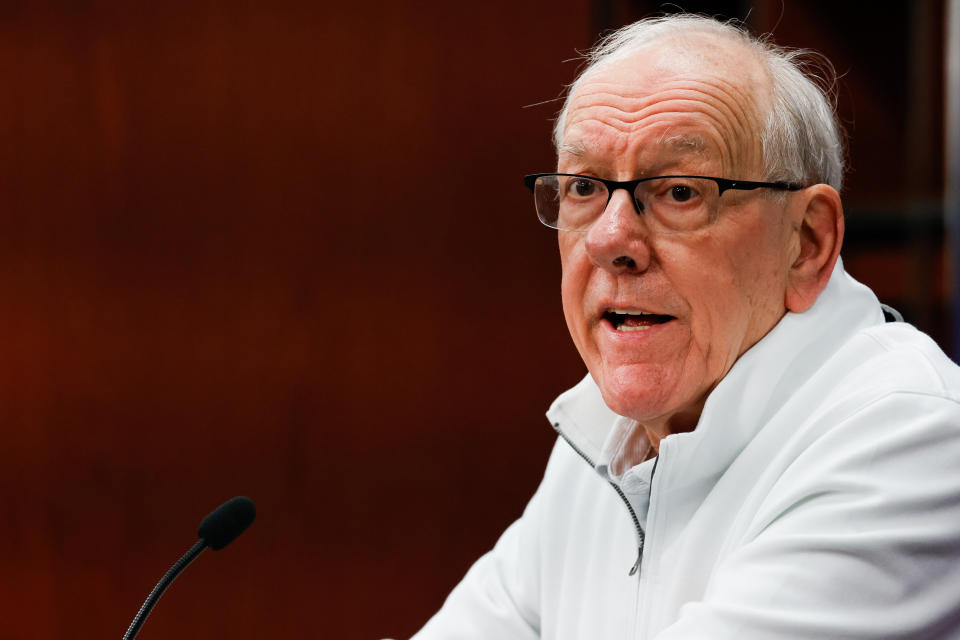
(681, 144)
(572, 148)
(685, 142)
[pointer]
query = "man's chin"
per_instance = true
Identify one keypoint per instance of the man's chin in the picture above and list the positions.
(655, 406)
(631, 399)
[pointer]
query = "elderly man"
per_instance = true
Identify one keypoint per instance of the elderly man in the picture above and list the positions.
(755, 453)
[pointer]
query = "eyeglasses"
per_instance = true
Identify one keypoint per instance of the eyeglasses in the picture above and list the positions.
(572, 202)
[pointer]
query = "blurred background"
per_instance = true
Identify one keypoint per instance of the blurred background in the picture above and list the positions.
(282, 249)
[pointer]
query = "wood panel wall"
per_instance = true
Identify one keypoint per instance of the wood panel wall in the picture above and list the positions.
(280, 250)
(283, 250)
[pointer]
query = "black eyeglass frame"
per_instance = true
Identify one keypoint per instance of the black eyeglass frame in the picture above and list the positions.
(630, 186)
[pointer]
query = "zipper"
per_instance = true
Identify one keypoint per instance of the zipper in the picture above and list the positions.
(636, 565)
(641, 535)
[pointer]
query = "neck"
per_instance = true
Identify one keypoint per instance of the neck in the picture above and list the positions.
(679, 422)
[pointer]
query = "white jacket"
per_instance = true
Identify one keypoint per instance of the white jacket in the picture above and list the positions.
(818, 497)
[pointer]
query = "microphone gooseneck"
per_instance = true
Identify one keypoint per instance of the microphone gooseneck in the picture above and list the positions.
(217, 530)
(158, 590)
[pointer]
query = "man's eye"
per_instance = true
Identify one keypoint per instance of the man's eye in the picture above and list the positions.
(682, 193)
(584, 188)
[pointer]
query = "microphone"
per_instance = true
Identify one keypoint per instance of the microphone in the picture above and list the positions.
(217, 530)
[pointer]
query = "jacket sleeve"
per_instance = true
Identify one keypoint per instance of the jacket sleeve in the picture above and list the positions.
(860, 537)
(499, 596)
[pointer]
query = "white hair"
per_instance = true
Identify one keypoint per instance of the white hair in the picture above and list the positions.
(802, 140)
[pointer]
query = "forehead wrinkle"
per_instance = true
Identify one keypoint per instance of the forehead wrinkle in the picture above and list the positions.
(742, 108)
(732, 138)
(731, 110)
(641, 107)
(624, 97)
(729, 105)
(668, 113)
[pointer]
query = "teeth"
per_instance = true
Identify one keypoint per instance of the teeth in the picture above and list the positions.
(624, 327)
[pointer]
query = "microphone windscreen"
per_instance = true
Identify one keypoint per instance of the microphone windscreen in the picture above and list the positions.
(227, 521)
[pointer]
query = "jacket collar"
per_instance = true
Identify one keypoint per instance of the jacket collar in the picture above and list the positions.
(757, 385)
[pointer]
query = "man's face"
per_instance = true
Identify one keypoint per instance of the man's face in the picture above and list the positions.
(715, 291)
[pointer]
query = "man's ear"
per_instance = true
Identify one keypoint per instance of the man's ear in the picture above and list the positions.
(818, 215)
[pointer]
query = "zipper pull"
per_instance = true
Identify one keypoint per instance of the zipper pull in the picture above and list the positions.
(636, 565)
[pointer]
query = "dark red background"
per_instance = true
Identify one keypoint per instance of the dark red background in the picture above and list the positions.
(283, 250)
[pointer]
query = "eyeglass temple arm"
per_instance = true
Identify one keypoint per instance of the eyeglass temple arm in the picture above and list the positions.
(747, 185)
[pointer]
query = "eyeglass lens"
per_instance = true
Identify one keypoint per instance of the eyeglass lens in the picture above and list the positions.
(574, 203)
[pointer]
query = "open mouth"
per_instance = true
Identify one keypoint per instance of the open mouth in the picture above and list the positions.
(623, 320)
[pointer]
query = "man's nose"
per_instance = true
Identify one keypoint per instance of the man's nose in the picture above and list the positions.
(618, 241)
